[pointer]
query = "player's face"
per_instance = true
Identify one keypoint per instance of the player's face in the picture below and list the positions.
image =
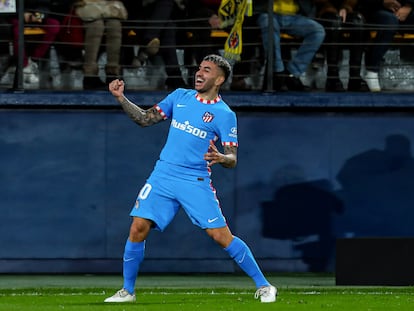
(209, 76)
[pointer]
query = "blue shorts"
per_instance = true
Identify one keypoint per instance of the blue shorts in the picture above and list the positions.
(162, 196)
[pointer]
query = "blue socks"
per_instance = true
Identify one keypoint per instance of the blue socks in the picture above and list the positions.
(133, 256)
(238, 250)
(241, 254)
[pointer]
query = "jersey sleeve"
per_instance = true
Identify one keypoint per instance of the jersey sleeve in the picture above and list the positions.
(165, 106)
(228, 130)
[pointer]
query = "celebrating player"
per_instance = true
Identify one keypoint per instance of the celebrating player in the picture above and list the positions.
(181, 177)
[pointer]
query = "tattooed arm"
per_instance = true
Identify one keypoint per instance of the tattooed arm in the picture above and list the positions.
(138, 115)
(143, 117)
(228, 159)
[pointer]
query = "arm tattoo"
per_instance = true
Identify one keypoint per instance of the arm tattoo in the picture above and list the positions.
(230, 158)
(138, 115)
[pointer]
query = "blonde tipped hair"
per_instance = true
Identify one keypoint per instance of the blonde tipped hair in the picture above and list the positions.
(221, 62)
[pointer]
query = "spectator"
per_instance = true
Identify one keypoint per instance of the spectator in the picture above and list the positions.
(198, 15)
(137, 24)
(95, 31)
(71, 33)
(160, 36)
(251, 57)
(339, 16)
(294, 18)
(4, 44)
(388, 16)
(203, 15)
(36, 14)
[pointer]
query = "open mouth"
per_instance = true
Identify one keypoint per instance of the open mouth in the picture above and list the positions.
(199, 80)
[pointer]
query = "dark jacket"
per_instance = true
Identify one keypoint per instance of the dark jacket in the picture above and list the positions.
(42, 6)
(333, 6)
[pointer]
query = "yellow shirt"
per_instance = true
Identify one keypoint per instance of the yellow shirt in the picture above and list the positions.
(286, 7)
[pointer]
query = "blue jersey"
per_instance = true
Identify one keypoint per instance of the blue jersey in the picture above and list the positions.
(181, 175)
(194, 122)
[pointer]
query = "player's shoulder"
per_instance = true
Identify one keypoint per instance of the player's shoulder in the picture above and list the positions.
(184, 92)
(179, 95)
(224, 106)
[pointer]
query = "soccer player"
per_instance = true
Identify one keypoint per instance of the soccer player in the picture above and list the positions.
(181, 177)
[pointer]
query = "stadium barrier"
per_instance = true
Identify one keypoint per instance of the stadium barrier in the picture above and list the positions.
(398, 75)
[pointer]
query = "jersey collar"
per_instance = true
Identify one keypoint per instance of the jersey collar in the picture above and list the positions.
(204, 101)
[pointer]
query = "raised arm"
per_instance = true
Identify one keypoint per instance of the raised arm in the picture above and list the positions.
(143, 117)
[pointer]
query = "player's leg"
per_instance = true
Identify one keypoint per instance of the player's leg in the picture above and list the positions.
(134, 251)
(153, 209)
(203, 208)
(240, 252)
(243, 256)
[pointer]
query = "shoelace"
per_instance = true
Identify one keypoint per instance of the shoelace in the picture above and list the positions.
(261, 291)
(123, 292)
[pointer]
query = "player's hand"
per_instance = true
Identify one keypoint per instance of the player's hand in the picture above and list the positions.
(117, 87)
(213, 156)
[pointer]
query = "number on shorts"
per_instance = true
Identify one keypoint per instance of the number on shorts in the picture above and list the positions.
(144, 192)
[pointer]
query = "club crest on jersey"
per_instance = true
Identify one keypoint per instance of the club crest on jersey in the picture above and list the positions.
(208, 117)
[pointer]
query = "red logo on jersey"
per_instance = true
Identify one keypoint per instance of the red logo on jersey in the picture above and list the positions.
(208, 117)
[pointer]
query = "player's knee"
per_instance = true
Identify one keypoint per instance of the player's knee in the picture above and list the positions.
(222, 236)
(139, 229)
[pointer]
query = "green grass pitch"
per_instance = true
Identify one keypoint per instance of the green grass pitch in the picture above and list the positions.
(195, 292)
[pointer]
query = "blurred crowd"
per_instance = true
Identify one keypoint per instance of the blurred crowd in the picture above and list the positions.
(273, 45)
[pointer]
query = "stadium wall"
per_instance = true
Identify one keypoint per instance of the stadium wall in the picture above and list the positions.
(312, 168)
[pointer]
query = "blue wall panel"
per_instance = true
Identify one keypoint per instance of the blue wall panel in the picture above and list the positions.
(304, 180)
(69, 178)
(52, 177)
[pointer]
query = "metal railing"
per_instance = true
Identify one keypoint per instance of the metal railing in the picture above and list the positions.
(132, 29)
